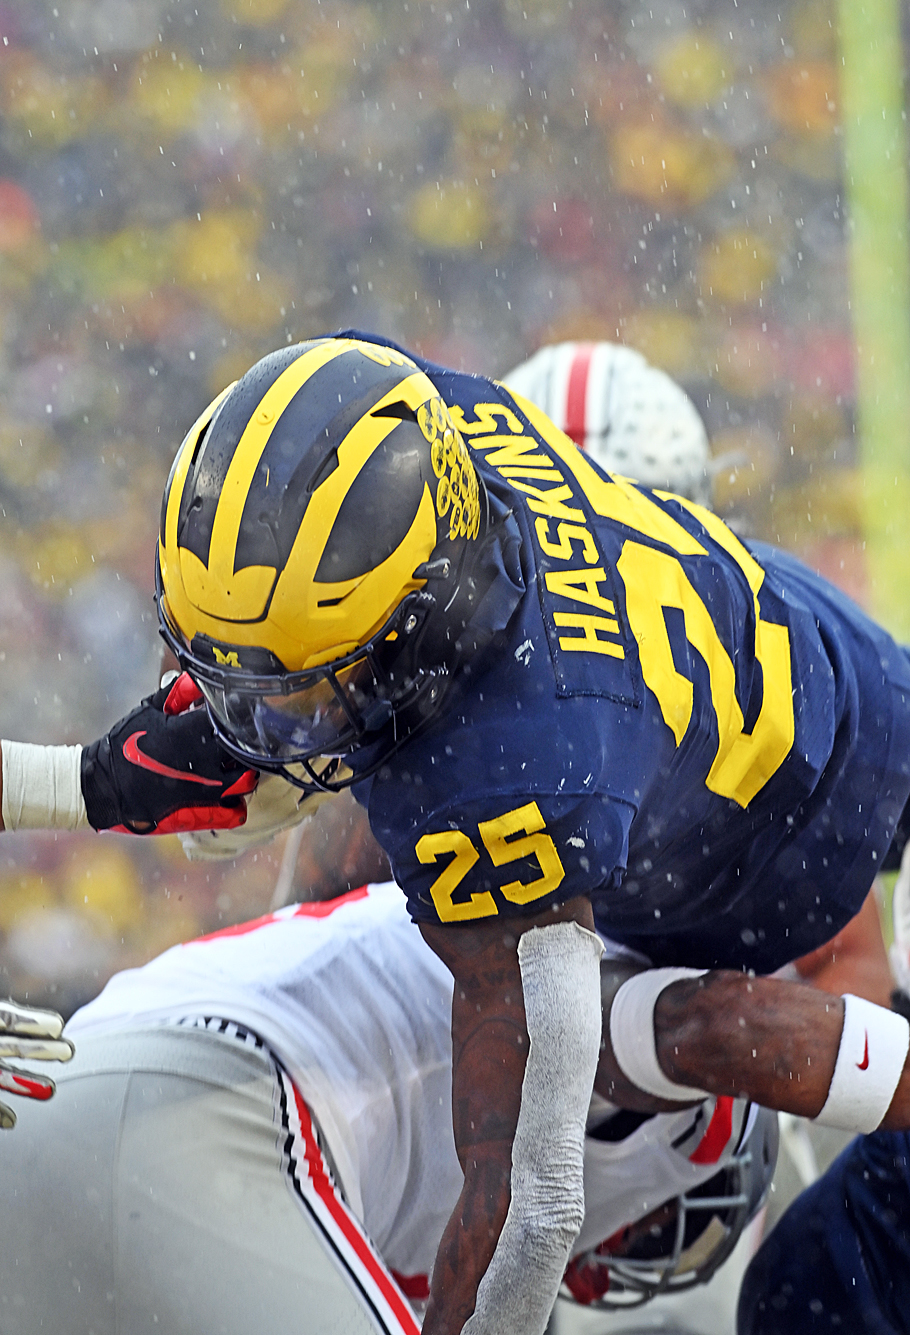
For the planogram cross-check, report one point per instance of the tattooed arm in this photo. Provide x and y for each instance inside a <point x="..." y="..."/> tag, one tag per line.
<point x="725" y="1033"/>
<point x="772" y="1041"/>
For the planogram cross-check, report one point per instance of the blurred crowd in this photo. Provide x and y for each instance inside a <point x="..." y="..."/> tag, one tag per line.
<point x="186" y="184"/>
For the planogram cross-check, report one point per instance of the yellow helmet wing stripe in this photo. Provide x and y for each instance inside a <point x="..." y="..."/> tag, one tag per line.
<point x="242" y="595"/>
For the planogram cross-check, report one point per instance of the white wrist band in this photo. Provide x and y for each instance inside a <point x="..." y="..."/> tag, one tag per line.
<point x="870" y="1060"/>
<point x="632" y="1033"/>
<point x="42" y="787"/>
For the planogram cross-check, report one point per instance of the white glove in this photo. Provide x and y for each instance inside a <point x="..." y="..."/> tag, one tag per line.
<point x="33" y="1035"/>
<point x="273" y="806"/>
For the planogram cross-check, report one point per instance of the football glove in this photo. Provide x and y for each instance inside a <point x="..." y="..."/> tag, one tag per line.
<point x="33" y="1035"/>
<point x="276" y="805"/>
<point x="162" y="770"/>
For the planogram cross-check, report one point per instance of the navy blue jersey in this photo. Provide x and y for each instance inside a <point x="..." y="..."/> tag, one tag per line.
<point x="839" y="1259"/>
<point x="705" y="738"/>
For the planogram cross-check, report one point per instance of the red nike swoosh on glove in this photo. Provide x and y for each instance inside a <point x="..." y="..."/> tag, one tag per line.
<point x="863" y="1065"/>
<point x="136" y="757"/>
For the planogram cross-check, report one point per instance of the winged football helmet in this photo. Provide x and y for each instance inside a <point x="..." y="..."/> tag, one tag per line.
<point x="319" y="556"/>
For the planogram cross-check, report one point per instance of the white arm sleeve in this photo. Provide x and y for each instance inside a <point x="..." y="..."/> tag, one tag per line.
<point x="42" y="787"/>
<point x="560" y="976"/>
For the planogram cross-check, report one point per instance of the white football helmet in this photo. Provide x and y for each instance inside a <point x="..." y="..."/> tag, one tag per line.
<point x="685" y="1241"/>
<point x="630" y="417"/>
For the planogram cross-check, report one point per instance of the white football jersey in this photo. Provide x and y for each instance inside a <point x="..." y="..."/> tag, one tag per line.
<point x="358" y="1009"/>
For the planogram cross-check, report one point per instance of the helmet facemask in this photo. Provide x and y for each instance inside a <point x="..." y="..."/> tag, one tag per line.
<point x="380" y="691"/>
<point x="684" y="1241"/>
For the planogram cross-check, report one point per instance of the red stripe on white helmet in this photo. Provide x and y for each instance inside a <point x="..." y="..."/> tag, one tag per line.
<point x="576" y="414"/>
<point x="632" y="418"/>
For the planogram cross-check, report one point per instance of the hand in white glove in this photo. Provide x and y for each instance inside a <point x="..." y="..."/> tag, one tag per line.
<point x="275" y="805"/>
<point x="33" y="1035"/>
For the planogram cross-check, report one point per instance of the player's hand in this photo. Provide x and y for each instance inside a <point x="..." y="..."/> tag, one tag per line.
<point x="161" y="770"/>
<point x="275" y="806"/>
<point x="33" y="1035"/>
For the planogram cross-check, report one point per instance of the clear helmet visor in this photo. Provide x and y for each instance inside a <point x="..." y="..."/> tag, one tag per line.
<point x="324" y="717"/>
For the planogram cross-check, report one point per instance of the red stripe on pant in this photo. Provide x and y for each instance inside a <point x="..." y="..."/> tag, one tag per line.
<point x="346" y="1224"/>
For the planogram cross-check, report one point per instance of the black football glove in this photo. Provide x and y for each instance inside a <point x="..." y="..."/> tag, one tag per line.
<point x="161" y="770"/>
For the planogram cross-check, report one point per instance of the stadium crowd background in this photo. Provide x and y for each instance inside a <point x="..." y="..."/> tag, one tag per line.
<point x="186" y="185"/>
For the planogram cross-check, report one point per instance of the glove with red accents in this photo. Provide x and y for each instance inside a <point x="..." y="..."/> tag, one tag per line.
<point x="34" y="1035"/>
<point x="162" y="770"/>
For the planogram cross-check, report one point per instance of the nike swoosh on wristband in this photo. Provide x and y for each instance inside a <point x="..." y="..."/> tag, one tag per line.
<point x="133" y="754"/>
<point x="863" y="1065"/>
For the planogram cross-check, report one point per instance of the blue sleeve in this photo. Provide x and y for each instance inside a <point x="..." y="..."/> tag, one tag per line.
<point x="503" y="854"/>
<point x="839" y="1259"/>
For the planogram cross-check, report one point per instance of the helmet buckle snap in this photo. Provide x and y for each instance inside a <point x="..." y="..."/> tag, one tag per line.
<point x="441" y="568"/>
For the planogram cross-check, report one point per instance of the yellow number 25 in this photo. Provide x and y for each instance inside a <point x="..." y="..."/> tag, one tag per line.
<point x="507" y="838"/>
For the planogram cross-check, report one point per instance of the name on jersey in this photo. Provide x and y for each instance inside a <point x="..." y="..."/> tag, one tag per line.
<point x="580" y="612"/>
<point x="659" y="568"/>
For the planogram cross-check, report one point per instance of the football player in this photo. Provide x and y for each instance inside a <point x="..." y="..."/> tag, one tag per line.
<point x="256" y="1103"/>
<point x="632" y="419"/>
<point x="839" y="1258"/>
<point x="566" y="701"/>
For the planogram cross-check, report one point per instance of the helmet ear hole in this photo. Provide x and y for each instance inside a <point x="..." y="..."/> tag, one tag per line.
<point x="400" y="410"/>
